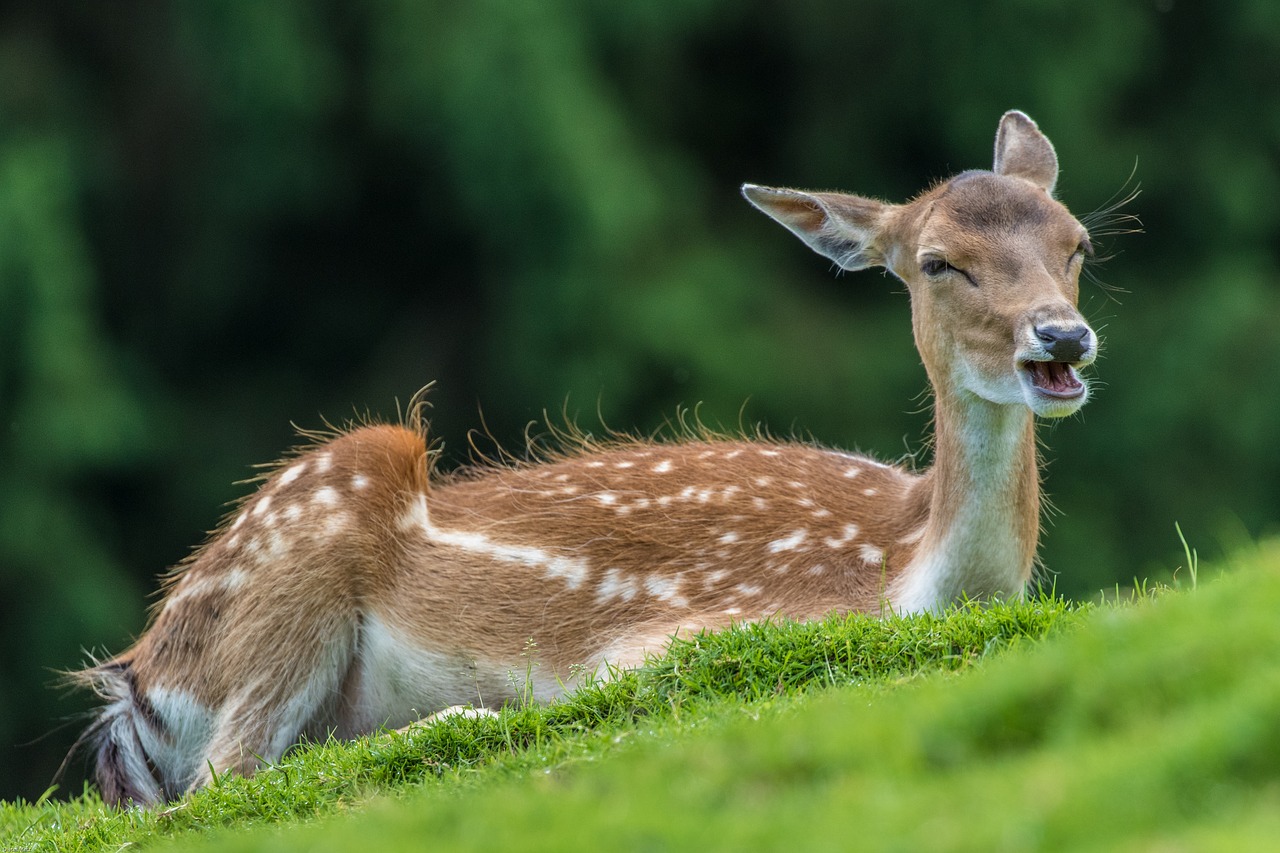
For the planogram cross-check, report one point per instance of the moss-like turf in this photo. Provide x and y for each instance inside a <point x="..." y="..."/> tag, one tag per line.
<point x="1035" y="725"/>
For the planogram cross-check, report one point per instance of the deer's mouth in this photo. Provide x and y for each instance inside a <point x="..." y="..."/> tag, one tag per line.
<point x="1054" y="378"/>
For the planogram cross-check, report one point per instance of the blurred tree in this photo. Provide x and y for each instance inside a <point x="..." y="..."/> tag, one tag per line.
<point x="219" y="218"/>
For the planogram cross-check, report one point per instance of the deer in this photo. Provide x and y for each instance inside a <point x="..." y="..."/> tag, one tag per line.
<point x="360" y="589"/>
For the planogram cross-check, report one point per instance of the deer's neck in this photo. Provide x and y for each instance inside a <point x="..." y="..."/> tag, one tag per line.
<point x="984" y="514"/>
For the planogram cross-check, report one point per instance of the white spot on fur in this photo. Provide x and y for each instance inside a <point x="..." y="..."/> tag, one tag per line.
<point x="788" y="543"/>
<point x="850" y="473"/>
<point x="261" y="506"/>
<point x="662" y="467"/>
<point x="624" y="465"/>
<point x="665" y="500"/>
<point x="871" y="554"/>
<point x="607" y="498"/>
<point x="324" y="462"/>
<point x="914" y="536"/>
<point x="277" y="546"/>
<point x="871" y="493"/>
<point x="769" y="453"/>
<point x="822" y="513"/>
<point x="847" y="535"/>
<point x="193" y="585"/>
<point x="326" y="496"/>
<point x="335" y="523"/>
<point x="595" y="463"/>
<point x="359" y="481"/>
<point x="292" y="474"/>
<point x="747" y="589"/>
<point x="732" y="611"/>
<point x="728" y="538"/>
<point x="759" y="503"/>
<point x="239" y="521"/>
<point x="819" y="569"/>
<point x="571" y="570"/>
<point x="665" y="589"/>
<point x="417" y="515"/>
<point x="292" y="512"/>
<point x="762" y="482"/>
<point x="733" y="454"/>
<point x="616" y="585"/>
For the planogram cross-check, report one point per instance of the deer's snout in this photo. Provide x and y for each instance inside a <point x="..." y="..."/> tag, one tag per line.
<point x="1069" y="343"/>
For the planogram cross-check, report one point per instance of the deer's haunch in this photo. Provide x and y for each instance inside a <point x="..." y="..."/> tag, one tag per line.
<point x="357" y="590"/>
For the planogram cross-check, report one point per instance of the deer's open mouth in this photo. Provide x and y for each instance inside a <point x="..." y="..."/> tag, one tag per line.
<point x="1055" y="378"/>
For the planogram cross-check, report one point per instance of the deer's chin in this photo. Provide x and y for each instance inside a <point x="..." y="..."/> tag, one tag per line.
<point x="1052" y="389"/>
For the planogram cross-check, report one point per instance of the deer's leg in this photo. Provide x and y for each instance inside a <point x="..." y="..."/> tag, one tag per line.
<point x="293" y="689"/>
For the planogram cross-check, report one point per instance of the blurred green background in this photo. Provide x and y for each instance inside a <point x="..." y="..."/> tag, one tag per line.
<point x="220" y="217"/>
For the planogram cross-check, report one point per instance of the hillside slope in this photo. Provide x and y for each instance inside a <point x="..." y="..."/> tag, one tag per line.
<point x="1130" y="727"/>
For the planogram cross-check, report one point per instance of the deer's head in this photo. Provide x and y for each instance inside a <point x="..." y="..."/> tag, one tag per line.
<point x="992" y="262"/>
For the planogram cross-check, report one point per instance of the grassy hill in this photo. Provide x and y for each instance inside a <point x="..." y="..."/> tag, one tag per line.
<point x="1038" y="725"/>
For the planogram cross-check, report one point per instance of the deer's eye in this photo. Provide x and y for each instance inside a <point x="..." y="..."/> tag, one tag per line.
<point x="1084" y="250"/>
<point x="934" y="267"/>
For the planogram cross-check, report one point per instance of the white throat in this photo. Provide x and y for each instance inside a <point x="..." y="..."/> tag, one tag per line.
<point x="983" y="520"/>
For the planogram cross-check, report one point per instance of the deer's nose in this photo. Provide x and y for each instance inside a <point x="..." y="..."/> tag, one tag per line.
<point x="1064" y="343"/>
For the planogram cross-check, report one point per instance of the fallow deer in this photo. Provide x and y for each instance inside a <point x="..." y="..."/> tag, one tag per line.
<point x="358" y="589"/>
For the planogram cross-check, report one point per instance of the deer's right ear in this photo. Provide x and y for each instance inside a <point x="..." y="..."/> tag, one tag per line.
<point x="844" y="228"/>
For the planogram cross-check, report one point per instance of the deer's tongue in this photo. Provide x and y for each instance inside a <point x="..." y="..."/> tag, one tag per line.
<point x="1055" y="378"/>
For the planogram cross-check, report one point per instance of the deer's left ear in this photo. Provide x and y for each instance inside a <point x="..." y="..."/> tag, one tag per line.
<point x="1022" y="151"/>
<point x="844" y="228"/>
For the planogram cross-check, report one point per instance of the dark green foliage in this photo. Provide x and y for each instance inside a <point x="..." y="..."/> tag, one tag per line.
<point x="218" y="218"/>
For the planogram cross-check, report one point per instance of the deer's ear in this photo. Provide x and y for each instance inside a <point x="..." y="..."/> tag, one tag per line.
<point x="844" y="228"/>
<point x="1022" y="151"/>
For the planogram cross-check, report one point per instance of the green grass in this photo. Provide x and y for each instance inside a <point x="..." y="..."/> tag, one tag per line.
<point x="1015" y="727"/>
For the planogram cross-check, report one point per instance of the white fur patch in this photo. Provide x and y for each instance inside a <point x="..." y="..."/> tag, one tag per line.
<point x="569" y="569"/>
<point x="847" y="535"/>
<point x="665" y="589"/>
<point x="788" y="543"/>
<point x="293" y="473"/>
<point x="871" y="554"/>
<point x="193" y="585"/>
<point x="615" y="584"/>
<point x="326" y="496"/>
<point x="399" y="682"/>
<point x="180" y="757"/>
